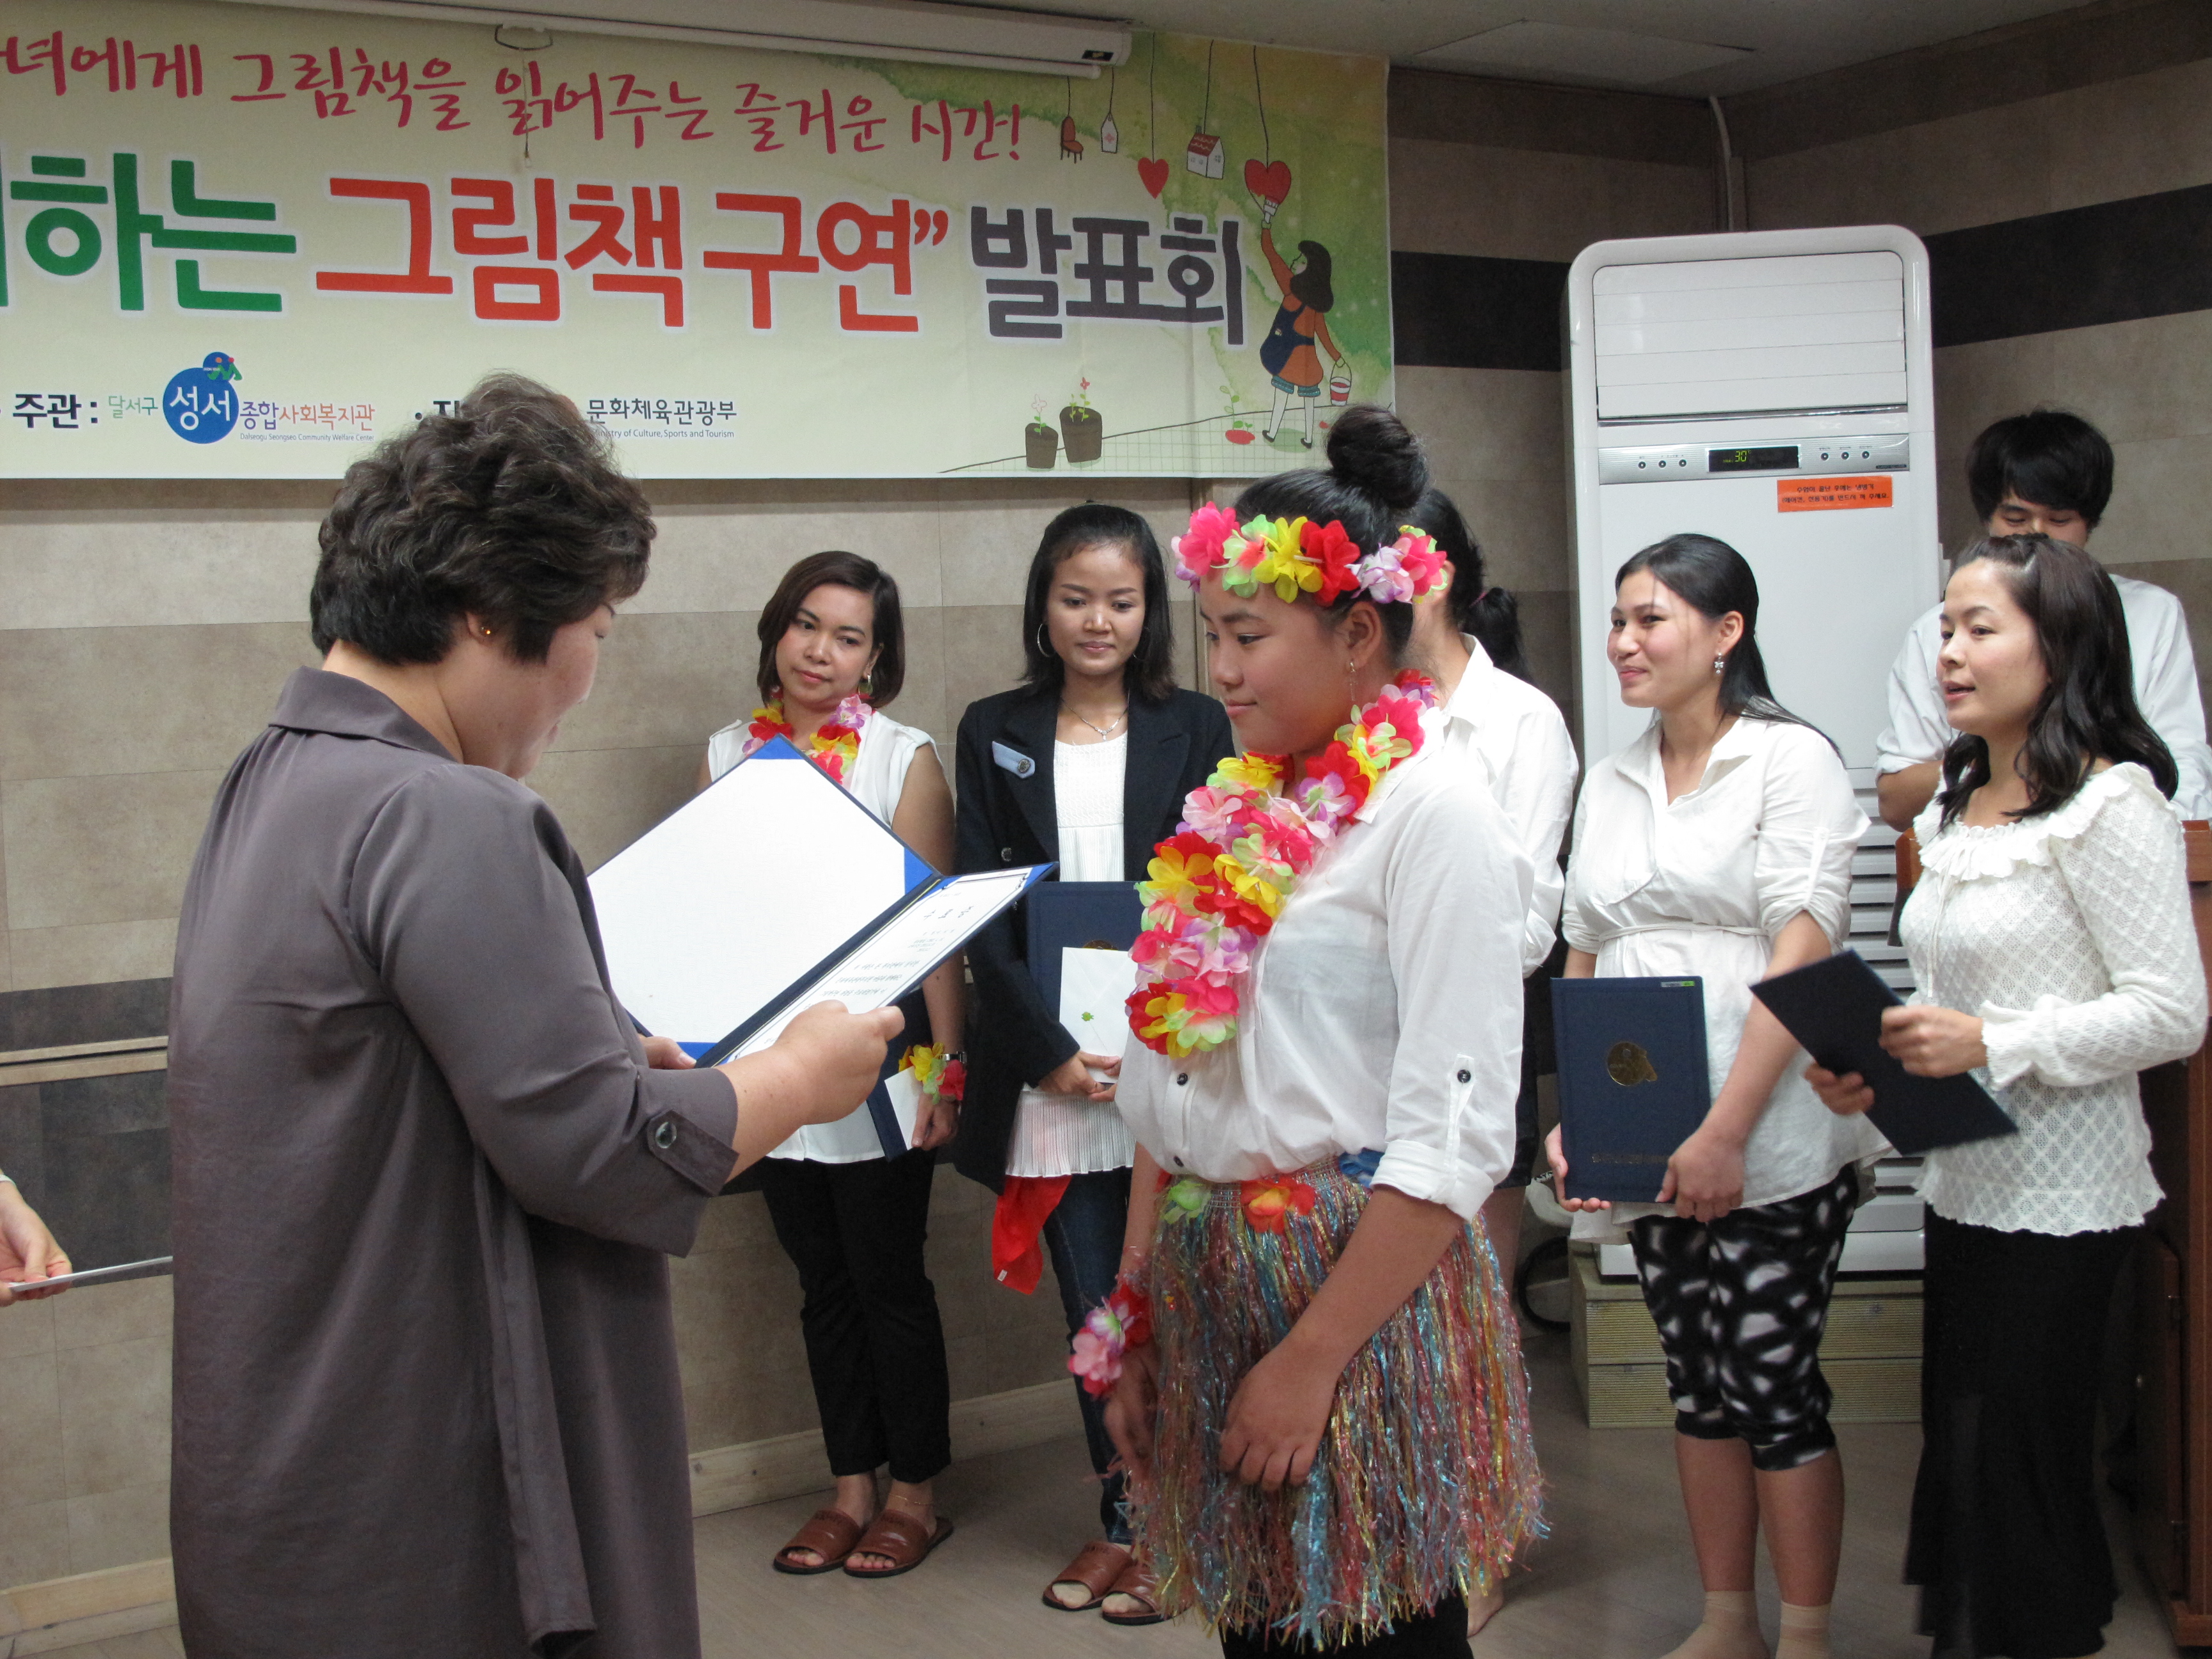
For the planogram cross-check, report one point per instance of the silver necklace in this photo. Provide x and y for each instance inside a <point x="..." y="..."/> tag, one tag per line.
<point x="1108" y="730"/>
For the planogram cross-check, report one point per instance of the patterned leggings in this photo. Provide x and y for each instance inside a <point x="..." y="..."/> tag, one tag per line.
<point x="1741" y="1304"/>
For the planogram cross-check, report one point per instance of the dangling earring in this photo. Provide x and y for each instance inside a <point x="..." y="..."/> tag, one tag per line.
<point x="1720" y="665"/>
<point x="868" y="683"/>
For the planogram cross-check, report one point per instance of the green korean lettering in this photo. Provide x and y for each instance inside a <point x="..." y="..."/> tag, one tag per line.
<point x="133" y="224"/>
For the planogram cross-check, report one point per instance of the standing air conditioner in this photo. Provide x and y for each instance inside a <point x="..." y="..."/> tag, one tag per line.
<point x="1773" y="388"/>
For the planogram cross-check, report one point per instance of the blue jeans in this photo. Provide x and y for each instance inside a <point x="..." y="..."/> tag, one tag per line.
<point x="1084" y="1234"/>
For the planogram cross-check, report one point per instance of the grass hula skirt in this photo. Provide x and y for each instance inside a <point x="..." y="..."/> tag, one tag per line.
<point x="1425" y="1482"/>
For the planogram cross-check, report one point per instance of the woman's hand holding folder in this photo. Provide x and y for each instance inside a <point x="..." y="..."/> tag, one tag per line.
<point x="1926" y="1040"/>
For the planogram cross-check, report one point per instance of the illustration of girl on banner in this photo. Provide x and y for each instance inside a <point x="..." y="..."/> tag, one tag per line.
<point x="1287" y="354"/>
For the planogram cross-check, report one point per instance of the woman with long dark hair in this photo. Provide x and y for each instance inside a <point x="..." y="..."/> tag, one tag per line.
<point x="1317" y="1375"/>
<point x="1084" y="764"/>
<point x="852" y="1219"/>
<point x="1719" y="844"/>
<point x="2050" y="939"/>
<point x="1287" y="354"/>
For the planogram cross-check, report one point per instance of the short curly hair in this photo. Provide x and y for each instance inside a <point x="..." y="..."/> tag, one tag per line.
<point x="509" y="509"/>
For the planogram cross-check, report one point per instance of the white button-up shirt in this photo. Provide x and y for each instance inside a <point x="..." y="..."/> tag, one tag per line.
<point x="1516" y="740"/>
<point x="1383" y="1012"/>
<point x="2166" y="691"/>
<point x="1702" y="885"/>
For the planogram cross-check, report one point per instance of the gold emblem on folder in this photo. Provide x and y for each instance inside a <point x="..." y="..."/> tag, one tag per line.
<point x="1626" y="1064"/>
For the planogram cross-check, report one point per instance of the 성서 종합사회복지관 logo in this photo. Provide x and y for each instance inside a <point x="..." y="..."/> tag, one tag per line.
<point x="201" y="404"/>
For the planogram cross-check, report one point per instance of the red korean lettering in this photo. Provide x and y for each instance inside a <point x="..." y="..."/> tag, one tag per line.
<point x="267" y="89"/>
<point x="885" y="238"/>
<point x="566" y="99"/>
<point x="417" y="278"/>
<point x="42" y="52"/>
<point x="693" y="118"/>
<point x="542" y="283"/>
<point x="825" y="118"/>
<point x="942" y="132"/>
<point x="468" y="222"/>
<point x="762" y="267"/>
<point x="862" y="108"/>
<point x="657" y="232"/>
<point x="84" y="59"/>
<point x="594" y="205"/>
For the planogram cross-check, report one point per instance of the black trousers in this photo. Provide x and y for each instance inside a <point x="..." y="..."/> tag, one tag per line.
<point x="2007" y="1544"/>
<point x="1439" y="1633"/>
<point x="874" y="1345"/>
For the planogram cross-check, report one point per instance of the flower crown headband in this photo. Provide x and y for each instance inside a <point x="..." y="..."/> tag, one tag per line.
<point x="1297" y="555"/>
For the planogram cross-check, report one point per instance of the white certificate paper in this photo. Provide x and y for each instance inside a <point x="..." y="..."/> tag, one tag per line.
<point x="914" y="941"/>
<point x="1094" y="996"/>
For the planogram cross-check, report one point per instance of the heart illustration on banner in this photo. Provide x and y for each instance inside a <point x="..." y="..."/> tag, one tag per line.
<point x="1269" y="183"/>
<point x="1154" y="173"/>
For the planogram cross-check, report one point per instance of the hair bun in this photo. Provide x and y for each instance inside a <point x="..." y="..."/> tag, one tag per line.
<point x="1372" y="450"/>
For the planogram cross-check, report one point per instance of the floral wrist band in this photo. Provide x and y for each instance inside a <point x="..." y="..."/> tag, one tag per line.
<point x="1297" y="555"/>
<point x="941" y="1076"/>
<point x="1123" y="1321"/>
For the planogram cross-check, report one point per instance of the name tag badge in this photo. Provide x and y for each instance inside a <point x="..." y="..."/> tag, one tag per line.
<point x="1014" y="760"/>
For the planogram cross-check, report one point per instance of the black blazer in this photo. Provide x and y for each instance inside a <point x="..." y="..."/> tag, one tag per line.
<point x="1013" y="1039"/>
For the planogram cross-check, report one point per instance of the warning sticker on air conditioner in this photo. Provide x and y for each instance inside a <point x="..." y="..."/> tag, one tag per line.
<point x="1830" y="495"/>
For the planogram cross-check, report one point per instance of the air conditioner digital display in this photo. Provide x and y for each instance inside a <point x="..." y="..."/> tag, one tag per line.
<point x="1750" y="460"/>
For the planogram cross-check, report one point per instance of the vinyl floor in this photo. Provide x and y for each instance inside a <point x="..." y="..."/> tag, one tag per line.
<point x="1614" y="1580"/>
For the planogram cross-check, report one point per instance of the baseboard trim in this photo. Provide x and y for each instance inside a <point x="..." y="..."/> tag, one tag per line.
<point x="64" y="1613"/>
<point x="764" y="1471"/>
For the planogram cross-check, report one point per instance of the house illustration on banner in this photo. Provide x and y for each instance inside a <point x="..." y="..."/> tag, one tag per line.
<point x="1205" y="154"/>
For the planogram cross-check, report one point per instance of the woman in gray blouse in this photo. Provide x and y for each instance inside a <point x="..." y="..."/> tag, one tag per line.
<point x="427" y="1172"/>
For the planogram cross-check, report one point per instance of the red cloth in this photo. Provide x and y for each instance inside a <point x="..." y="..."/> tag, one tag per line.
<point x="1025" y="1204"/>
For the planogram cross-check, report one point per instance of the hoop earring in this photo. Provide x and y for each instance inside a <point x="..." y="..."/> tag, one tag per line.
<point x="1043" y="650"/>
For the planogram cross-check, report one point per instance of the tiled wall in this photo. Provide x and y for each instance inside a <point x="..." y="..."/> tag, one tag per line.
<point x="1490" y="171"/>
<point x="2144" y="382"/>
<point x="84" y="1439"/>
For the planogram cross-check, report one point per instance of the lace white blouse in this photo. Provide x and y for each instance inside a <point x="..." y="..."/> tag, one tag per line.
<point x="1702" y="885"/>
<point x="2071" y="936"/>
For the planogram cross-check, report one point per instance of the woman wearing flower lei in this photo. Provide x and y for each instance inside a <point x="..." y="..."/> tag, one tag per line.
<point x="832" y="654"/>
<point x="1315" y="1375"/>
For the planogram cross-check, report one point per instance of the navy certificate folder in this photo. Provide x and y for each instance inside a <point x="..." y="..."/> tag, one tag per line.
<point x="1833" y="1007"/>
<point x="1078" y="915"/>
<point x="1633" y="1081"/>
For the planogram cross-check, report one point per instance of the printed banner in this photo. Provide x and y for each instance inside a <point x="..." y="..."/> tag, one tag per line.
<point x="244" y="242"/>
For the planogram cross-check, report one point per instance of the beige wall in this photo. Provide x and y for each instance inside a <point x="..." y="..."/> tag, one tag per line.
<point x="2145" y="383"/>
<point x="1491" y="170"/>
<point x="145" y="630"/>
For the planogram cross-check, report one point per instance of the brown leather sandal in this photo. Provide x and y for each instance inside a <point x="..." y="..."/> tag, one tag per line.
<point x="1096" y="1568"/>
<point x="830" y="1533"/>
<point x="1136" y="1583"/>
<point x="900" y="1539"/>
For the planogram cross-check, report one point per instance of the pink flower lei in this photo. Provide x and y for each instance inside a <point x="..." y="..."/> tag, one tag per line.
<point x="832" y="747"/>
<point x="1218" y="885"/>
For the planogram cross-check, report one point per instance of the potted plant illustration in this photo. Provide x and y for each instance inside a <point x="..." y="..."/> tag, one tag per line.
<point x="1081" y="428"/>
<point x="1239" y="430"/>
<point x="1039" y="441"/>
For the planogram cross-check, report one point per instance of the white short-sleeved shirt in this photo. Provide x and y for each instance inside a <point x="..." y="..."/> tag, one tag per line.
<point x="1703" y="885"/>
<point x="1516" y="740"/>
<point x="1383" y="1012"/>
<point x="876" y="780"/>
<point x="2166" y="691"/>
